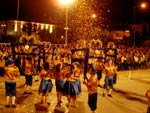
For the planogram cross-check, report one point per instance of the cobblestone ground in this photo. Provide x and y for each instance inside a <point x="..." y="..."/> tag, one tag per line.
<point x="128" y="97"/>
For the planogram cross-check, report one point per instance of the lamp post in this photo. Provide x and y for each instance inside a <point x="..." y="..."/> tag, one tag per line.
<point x="143" y="5"/>
<point x="66" y="3"/>
<point x="66" y="26"/>
<point x="18" y="3"/>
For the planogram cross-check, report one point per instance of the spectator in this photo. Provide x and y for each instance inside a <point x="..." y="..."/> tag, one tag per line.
<point x="2" y="64"/>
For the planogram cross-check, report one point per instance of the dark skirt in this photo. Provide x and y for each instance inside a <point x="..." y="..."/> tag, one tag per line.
<point x="115" y="78"/>
<point x="77" y="87"/>
<point x="108" y="82"/>
<point x="99" y="74"/>
<point x="28" y="79"/>
<point x="72" y="88"/>
<point x="68" y="88"/>
<point x="10" y="88"/>
<point x="59" y="85"/>
<point x="92" y="101"/>
<point x="1" y="71"/>
<point x="45" y="86"/>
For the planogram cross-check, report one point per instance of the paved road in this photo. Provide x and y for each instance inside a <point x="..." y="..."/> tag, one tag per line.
<point x="128" y="97"/>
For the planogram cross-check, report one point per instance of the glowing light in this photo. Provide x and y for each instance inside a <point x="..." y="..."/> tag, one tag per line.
<point x="27" y="47"/>
<point x="42" y="26"/>
<point x="38" y="26"/>
<point x="3" y="25"/>
<point x="16" y="25"/>
<point x="93" y="15"/>
<point x="127" y="31"/>
<point x="21" y="25"/>
<point x="51" y="29"/>
<point x="143" y="5"/>
<point x="46" y="27"/>
<point x="97" y="52"/>
<point x="108" y="10"/>
<point x="65" y="2"/>
<point x="79" y="53"/>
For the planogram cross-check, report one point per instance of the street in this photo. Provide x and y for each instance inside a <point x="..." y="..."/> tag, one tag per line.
<point x="128" y="96"/>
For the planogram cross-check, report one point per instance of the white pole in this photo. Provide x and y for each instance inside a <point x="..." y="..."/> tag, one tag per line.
<point x="129" y="74"/>
<point x="18" y="3"/>
<point x="66" y="26"/>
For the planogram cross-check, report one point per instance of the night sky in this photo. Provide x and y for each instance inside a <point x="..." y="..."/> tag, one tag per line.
<point x="43" y="10"/>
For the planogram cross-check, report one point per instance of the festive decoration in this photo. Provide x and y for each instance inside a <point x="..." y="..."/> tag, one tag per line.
<point x="81" y="44"/>
<point x="27" y="47"/>
<point x="96" y="43"/>
<point x="97" y="52"/>
<point x="28" y="39"/>
<point x="110" y="45"/>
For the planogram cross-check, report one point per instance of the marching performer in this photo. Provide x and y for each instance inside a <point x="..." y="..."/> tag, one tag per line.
<point x="29" y="69"/>
<point x="46" y="83"/>
<point x="92" y="85"/>
<point x="11" y="74"/>
<point x="72" y="86"/>
<point x="110" y="71"/>
<point x="59" y="81"/>
<point x="99" y="66"/>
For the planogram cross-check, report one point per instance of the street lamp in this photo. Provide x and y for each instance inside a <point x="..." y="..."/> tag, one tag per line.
<point x="143" y="5"/>
<point x="93" y="15"/>
<point x="66" y="3"/>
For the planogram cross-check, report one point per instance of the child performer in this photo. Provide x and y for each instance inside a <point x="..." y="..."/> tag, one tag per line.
<point x="11" y="74"/>
<point x="46" y="83"/>
<point x="72" y="86"/>
<point x="99" y="68"/>
<point x="76" y="83"/>
<point x="29" y="68"/>
<point x="110" y="70"/>
<point x="92" y="86"/>
<point x="59" y="81"/>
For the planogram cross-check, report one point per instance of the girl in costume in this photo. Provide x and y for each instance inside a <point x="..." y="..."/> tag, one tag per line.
<point x="110" y="71"/>
<point x="29" y="68"/>
<point x="72" y="86"/>
<point x="99" y="66"/>
<point x="59" y="81"/>
<point x="46" y="83"/>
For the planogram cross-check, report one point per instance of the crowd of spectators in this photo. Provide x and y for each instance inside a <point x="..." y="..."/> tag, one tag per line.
<point x="128" y="58"/>
<point x="133" y="58"/>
